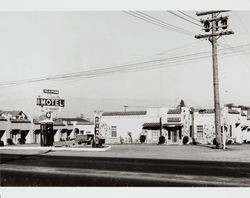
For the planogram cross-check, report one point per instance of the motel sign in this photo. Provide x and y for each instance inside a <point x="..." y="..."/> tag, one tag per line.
<point x="50" y="102"/>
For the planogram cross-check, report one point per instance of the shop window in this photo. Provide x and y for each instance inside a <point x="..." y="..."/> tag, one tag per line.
<point x="199" y="131"/>
<point x="113" y="131"/>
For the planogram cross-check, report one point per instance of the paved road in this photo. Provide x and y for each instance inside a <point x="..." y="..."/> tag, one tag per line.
<point x="47" y="170"/>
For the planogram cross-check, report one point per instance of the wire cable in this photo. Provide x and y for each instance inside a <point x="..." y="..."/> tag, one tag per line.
<point x="163" y="22"/>
<point x="188" y="16"/>
<point x="184" y="18"/>
<point x="167" y="63"/>
<point x="136" y="15"/>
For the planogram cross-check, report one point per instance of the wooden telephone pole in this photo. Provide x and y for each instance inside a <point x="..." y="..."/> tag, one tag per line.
<point x="212" y="25"/>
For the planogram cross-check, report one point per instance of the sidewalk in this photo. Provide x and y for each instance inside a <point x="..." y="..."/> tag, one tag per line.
<point x="234" y="153"/>
<point x="56" y="147"/>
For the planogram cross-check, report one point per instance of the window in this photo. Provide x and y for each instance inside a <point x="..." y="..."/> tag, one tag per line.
<point x="113" y="131"/>
<point x="156" y="135"/>
<point x="199" y="131"/>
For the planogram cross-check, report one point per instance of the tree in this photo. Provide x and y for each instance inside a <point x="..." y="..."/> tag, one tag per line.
<point x="182" y="104"/>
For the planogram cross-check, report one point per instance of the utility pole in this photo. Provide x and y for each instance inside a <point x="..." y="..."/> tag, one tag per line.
<point x="125" y="108"/>
<point x="212" y="25"/>
<point x="160" y="126"/>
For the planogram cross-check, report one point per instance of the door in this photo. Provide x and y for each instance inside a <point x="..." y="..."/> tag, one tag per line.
<point x="174" y="136"/>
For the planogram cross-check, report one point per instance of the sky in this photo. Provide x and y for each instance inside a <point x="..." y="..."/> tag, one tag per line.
<point x="38" y="44"/>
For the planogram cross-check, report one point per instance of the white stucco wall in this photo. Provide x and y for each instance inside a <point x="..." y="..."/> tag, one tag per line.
<point x="126" y="124"/>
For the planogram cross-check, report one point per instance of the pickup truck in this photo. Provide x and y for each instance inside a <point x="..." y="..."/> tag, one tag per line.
<point x="88" y="139"/>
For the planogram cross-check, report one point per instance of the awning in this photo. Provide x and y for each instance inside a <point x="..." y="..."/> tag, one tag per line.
<point x="37" y="131"/>
<point x="151" y="125"/>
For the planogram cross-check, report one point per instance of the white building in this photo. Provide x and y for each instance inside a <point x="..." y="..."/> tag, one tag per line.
<point x="126" y="126"/>
<point x="17" y="127"/>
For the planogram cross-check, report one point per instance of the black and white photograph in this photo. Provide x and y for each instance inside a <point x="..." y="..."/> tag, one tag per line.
<point x="125" y="98"/>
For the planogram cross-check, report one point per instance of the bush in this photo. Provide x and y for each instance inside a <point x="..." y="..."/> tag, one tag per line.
<point x="9" y="141"/>
<point x="142" y="138"/>
<point x="68" y="138"/>
<point x="229" y="142"/>
<point x="21" y="140"/>
<point x="1" y="143"/>
<point x="162" y="140"/>
<point x="185" y="140"/>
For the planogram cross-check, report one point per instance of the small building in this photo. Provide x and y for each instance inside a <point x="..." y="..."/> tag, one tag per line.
<point x="3" y="129"/>
<point x="126" y="126"/>
<point x="178" y="125"/>
<point x="17" y="127"/>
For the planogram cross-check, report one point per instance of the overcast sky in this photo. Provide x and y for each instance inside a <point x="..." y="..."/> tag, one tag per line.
<point x="41" y="44"/>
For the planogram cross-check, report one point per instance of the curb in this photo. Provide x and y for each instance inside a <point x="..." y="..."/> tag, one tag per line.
<point x="52" y="148"/>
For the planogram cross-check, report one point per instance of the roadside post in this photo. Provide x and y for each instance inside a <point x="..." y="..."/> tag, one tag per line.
<point x="50" y="103"/>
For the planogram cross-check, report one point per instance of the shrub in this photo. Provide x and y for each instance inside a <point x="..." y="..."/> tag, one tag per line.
<point x="162" y="140"/>
<point x="9" y="141"/>
<point x="121" y="140"/>
<point x="68" y="138"/>
<point x="21" y="140"/>
<point x="1" y="143"/>
<point x="229" y="142"/>
<point x="142" y="138"/>
<point x="185" y="140"/>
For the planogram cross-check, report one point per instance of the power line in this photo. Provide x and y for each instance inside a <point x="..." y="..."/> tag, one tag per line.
<point x="105" y="70"/>
<point x="163" y="22"/>
<point x="136" y="15"/>
<point x="95" y="73"/>
<point x="184" y="18"/>
<point x="167" y="52"/>
<point x="188" y="16"/>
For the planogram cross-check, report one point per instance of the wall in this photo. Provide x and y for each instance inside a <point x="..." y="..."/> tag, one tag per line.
<point x="126" y="124"/>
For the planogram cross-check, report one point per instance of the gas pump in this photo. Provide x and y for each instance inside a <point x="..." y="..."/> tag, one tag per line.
<point x="46" y="127"/>
<point x="47" y="136"/>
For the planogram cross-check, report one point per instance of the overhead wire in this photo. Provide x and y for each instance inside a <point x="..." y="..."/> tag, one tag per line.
<point x="164" y="22"/>
<point x="169" y="52"/>
<point x="188" y="16"/>
<point x="184" y="18"/>
<point x="132" y="67"/>
<point x="157" y="23"/>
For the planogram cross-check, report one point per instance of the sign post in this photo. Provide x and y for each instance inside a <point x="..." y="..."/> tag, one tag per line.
<point x="50" y="103"/>
<point x="97" y="116"/>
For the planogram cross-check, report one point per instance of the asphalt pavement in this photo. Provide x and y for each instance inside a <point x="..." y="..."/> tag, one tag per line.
<point x="119" y="166"/>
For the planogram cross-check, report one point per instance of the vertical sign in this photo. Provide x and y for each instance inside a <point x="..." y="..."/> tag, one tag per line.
<point x="97" y="117"/>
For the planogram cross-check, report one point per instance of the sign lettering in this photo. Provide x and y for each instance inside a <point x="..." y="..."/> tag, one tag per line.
<point x="50" y="91"/>
<point x="50" y="102"/>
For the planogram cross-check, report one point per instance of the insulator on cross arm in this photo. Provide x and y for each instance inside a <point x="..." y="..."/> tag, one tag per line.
<point x="206" y="26"/>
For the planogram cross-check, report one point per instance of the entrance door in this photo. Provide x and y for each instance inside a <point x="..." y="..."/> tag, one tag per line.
<point x="174" y="136"/>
